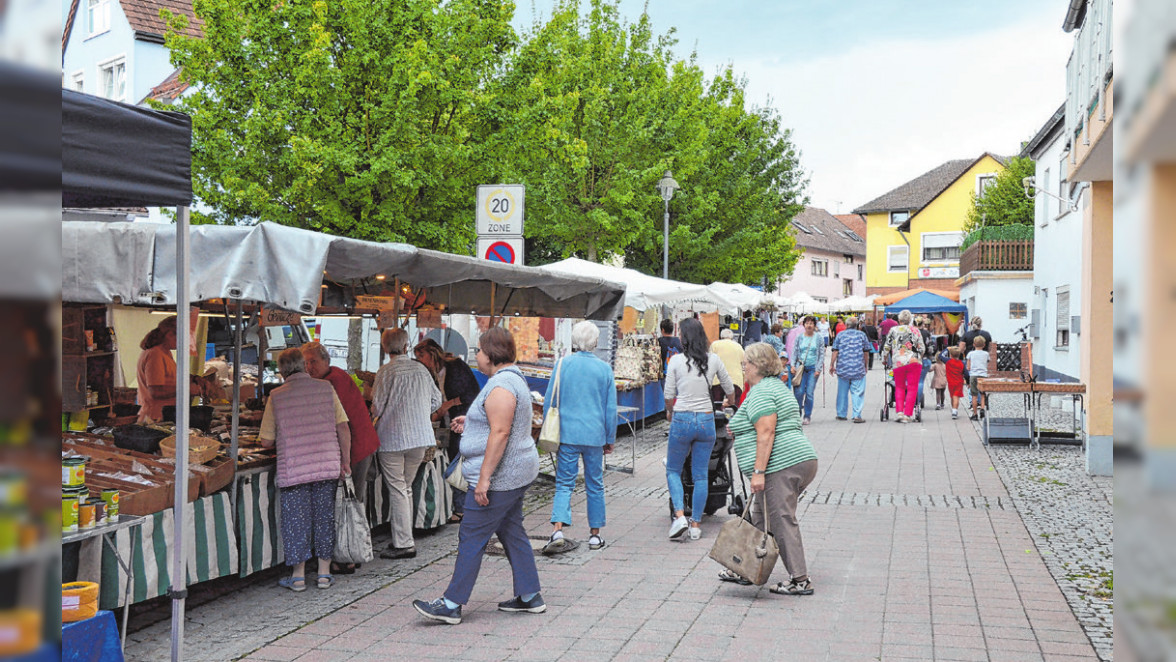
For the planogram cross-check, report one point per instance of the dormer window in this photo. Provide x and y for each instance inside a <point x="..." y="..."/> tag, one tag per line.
<point x="897" y="218"/>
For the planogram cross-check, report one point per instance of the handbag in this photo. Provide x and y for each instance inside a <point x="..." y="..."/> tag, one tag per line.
<point x="797" y="374"/>
<point x="454" y="477"/>
<point x="746" y="550"/>
<point x="353" y="536"/>
<point x="628" y="361"/>
<point x="549" y="433"/>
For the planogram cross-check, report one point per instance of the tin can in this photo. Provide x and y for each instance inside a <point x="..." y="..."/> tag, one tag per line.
<point x="9" y="531"/>
<point x="85" y="516"/>
<point x="110" y="497"/>
<point x="99" y="510"/>
<point x="69" y="514"/>
<point x="73" y="471"/>
<point x="14" y="489"/>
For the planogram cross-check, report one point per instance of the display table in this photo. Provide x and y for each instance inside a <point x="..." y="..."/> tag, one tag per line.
<point x="104" y="534"/>
<point x="1026" y="429"/>
<point x="92" y="640"/>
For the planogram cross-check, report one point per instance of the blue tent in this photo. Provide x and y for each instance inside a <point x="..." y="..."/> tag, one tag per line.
<point x="926" y="302"/>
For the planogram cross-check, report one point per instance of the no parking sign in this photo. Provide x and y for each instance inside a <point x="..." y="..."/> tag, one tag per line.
<point x="508" y="250"/>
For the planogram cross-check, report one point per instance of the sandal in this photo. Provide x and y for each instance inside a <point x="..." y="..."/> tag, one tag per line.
<point x="803" y="587"/>
<point x="556" y="546"/>
<point x="326" y="581"/>
<point x="595" y="542"/>
<point x="728" y="576"/>
<point x="296" y="584"/>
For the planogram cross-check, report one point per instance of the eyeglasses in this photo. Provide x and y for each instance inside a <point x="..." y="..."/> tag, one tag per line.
<point x="477" y="350"/>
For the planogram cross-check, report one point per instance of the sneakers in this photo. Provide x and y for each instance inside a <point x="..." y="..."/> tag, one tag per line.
<point x="806" y="421"/>
<point x="973" y="417"/>
<point x="437" y="611"/>
<point x="802" y="587"/>
<point x="901" y="418"/>
<point x="858" y="419"/>
<point x="398" y="553"/>
<point x="516" y="604"/>
<point x="938" y="407"/>
<point x="695" y="532"/>
<point x="842" y="418"/>
<point x="678" y="528"/>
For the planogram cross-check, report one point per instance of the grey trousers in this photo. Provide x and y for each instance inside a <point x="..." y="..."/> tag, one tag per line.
<point x="399" y="468"/>
<point x="781" y="490"/>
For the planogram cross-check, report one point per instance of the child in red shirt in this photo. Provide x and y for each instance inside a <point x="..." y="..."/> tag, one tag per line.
<point x="955" y="379"/>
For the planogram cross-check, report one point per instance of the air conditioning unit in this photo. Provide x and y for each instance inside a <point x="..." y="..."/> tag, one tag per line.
<point x="1076" y="324"/>
<point x="1035" y="323"/>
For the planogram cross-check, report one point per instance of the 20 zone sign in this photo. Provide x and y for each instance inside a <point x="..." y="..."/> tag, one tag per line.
<point x="500" y="210"/>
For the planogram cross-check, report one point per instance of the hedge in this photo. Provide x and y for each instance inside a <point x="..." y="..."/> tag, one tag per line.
<point x="1015" y="232"/>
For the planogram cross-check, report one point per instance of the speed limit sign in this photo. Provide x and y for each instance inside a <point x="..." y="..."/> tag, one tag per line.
<point x="500" y="210"/>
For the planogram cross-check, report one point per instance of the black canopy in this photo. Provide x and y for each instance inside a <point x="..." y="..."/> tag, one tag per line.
<point x="118" y="155"/>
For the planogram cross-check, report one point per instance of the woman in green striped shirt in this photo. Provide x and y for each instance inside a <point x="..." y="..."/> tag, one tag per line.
<point x="771" y="448"/>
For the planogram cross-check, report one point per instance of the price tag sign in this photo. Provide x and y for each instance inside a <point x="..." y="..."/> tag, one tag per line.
<point x="500" y="210"/>
<point x="279" y="317"/>
<point x="428" y="318"/>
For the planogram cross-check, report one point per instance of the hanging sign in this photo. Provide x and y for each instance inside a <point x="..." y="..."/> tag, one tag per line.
<point x="428" y="318"/>
<point x="370" y="302"/>
<point x="508" y="250"/>
<point x="279" y="317"/>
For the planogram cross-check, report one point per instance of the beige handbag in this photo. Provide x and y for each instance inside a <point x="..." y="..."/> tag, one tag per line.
<point x="745" y="550"/>
<point x="549" y="433"/>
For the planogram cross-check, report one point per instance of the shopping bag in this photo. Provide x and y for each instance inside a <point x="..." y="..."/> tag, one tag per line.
<point x="745" y="550"/>
<point x="453" y="475"/>
<point x="353" y="536"/>
<point x="549" y="433"/>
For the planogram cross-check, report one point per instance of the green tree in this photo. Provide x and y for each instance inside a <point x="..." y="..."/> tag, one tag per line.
<point x="362" y="118"/>
<point x="1004" y="201"/>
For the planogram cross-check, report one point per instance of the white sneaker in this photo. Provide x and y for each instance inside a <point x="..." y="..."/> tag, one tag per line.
<point x="695" y="532"/>
<point x="678" y="528"/>
<point x="955" y="413"/>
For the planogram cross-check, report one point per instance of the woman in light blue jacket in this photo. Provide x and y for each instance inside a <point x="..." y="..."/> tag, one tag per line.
<point x="587" y="402"/>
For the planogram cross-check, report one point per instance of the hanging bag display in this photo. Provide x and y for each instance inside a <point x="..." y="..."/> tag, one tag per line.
<point x="746" y="550"/>
<point x="549" y="433"/>
<point x="353" y="536"/>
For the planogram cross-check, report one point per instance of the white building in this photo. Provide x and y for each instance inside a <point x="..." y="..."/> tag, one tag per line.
<point x="1056" y="306"/>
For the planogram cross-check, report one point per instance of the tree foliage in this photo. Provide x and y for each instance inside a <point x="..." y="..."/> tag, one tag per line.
<point x="1004" y="201"/>
<point x="378" y="119"/>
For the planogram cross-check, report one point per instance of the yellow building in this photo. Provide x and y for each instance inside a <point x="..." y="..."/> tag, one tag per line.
<point x="913" y="233"/>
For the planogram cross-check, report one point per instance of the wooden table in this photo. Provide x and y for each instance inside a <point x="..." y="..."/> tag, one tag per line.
<point x="1027" y="429"/>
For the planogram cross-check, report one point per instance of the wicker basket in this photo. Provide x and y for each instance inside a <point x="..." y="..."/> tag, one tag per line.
<point x="200" y="449"/>
<point x="430" y="454"/>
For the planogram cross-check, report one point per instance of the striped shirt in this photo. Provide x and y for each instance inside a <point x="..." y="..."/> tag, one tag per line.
<point x="404" y="397"/>
<point x="791" y="447"/>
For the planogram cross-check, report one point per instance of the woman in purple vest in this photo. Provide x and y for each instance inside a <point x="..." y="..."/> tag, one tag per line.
<point x="306" y="421"/>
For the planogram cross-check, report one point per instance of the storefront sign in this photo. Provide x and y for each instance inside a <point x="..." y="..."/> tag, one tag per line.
<point x="939" y="272"/>
<point x="279" y="317"/>
<point x="369" y="302"/>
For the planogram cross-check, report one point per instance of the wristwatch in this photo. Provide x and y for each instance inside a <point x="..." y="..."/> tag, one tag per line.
<point x="757" y="472"/>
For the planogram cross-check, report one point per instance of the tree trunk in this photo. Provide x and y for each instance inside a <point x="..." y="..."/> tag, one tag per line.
<point x="355" y="345"/>
<point x="592" y="252"/>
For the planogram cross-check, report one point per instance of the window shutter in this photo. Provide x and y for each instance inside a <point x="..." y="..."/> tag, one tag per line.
<point x="1063" y="295"/>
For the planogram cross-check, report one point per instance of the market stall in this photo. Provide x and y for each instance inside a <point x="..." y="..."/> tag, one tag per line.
<point x="947" y="315"/>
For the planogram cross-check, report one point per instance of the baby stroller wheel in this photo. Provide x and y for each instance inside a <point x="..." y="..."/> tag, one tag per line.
<point x="736" y="507"/>
<point x="885" y="414"/>
<point x="919" y="414"/>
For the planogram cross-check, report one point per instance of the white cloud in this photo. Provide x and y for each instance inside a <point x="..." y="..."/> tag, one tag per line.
<point x="877" y="116"/>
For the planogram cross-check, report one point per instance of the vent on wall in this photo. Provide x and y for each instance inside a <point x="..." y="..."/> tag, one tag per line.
<point x="1035" y="323"/>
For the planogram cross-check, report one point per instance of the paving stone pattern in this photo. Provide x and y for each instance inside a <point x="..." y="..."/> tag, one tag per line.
<point x="1070" y="516"/>
<point x="910" y="538"/>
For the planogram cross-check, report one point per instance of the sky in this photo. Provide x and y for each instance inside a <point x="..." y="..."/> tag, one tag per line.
<point x="877" y="92"/>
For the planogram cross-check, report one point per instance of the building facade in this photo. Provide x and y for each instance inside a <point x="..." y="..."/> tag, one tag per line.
<point x="1056" y="306"/>
<point x="833" y="265"/>
<point x="914" y="232"/>
<point x="114" y="48"/>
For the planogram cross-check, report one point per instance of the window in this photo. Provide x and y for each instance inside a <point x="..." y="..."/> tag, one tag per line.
<point x="846" y="287"/>
<point x="1045" y="199"/>
<point x="98" y="16"/>
<point x="77" y="82"/>
<point x="802" y="228"/>
<point x="114" y="79"/>
<point x="983" y="181"/>
<point x="848" y="259"/>
<point x="817" y="230"/>
<point x="897" y="218"/>
<point x="1063" y="317"/>
<point x="1018" y="311"/>
<point x="1063" y="188"/>
<point x="897" y="258"/>
<point x="821" y="299"/>
<point x="942" y="246"/>
<point x="860" y="270"/>
<point x="820" y="267"/>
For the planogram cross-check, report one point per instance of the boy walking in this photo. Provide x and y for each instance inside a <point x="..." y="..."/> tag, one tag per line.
<point x="977" y="369"/>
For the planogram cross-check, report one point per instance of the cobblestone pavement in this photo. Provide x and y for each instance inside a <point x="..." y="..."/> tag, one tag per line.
<point x="1146" y="592"/>
<point x="915" y="547"/>
<point x="1070" y="516"/>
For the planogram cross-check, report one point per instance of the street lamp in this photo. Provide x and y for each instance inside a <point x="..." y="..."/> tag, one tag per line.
<point x="666" y="186"/>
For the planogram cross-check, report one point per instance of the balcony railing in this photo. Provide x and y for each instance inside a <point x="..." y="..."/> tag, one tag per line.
<point x="997" y="256"/>
<point x="1088" y="71"/>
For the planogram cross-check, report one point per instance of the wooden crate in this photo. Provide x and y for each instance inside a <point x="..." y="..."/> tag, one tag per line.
<point x="219" y="473"/>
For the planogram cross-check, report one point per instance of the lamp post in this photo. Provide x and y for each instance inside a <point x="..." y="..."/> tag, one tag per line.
<point x="666" y="186"/>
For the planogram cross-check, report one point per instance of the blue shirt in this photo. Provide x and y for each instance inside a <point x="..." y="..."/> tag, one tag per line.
<point x="777" y="344"/>
<point x="587" y="400"/>
<point x="520" y="461"/>
<point x="850" y="346"/>
<point x="810" y="350"/>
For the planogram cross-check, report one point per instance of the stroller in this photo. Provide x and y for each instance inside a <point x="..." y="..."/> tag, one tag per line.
<point x="720" y="476"/>
<point x="888" y="402"/>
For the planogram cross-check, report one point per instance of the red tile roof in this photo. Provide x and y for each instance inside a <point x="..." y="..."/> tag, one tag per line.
<point x="855" y="222"/>
<point x="170" y="89"/>
<point x="68" y="28"/>
<point x="143" y="15"/>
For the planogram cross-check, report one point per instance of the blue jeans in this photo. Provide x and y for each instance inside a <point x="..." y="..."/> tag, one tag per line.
<point x="567" y="466"/>
<point x="806" y="391"/>
<point x="503" y="516"/>
<point x="922" y="378"/>
<point x="847" y="388"/>
<point x="691" y="433"/>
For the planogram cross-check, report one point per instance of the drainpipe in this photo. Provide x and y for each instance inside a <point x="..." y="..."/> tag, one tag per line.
<point x="902" y="235"/>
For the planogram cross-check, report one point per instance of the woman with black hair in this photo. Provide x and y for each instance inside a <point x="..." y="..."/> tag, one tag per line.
<point x="692" y="422"/>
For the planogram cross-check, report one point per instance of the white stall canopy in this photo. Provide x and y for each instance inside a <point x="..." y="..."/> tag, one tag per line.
<point x="643" y="291"/>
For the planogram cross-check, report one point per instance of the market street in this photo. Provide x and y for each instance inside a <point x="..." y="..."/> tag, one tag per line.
<point x="915" y="548"/>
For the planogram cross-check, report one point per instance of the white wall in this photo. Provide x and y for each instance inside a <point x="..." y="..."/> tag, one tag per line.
<point x="1057" y="263"/>
<point x="990" y="297"/>
<point x="827" y="287"/>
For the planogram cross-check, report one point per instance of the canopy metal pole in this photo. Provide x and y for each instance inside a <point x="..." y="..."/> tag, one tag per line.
<point x="178" y="591"/>
<point x="234" y="442"/>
